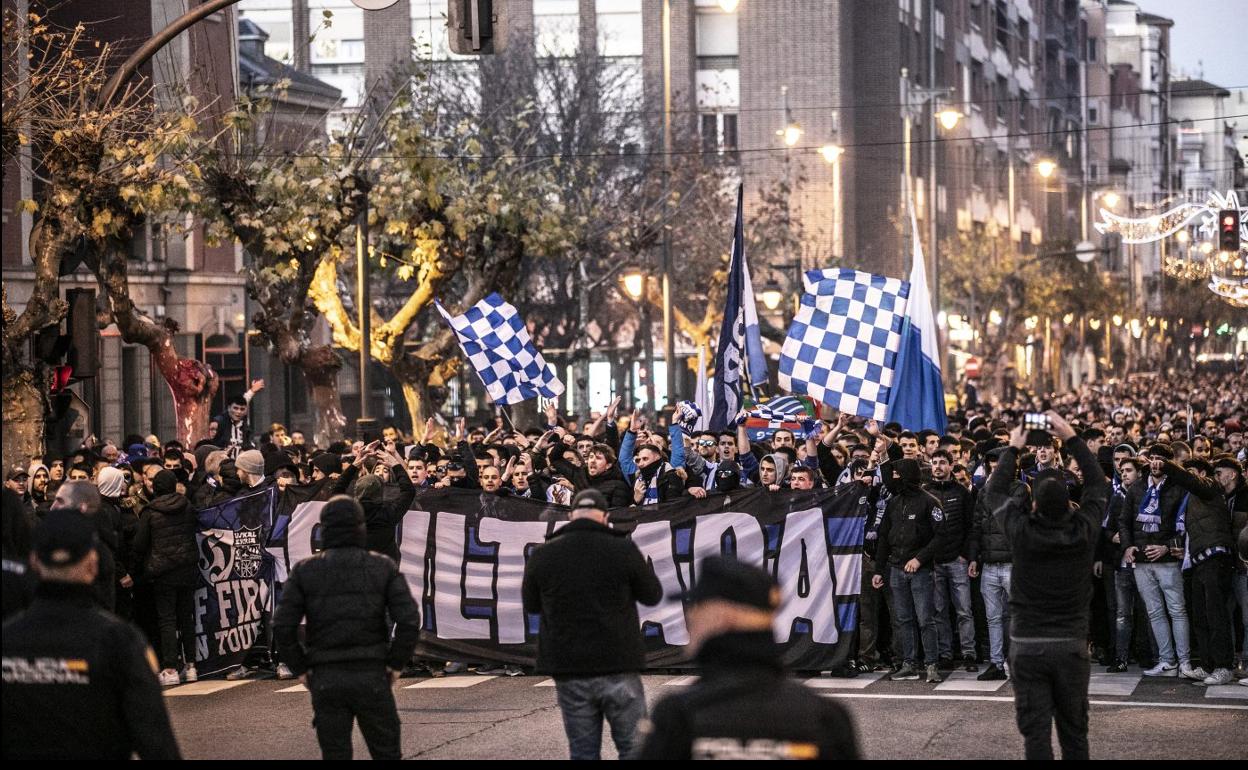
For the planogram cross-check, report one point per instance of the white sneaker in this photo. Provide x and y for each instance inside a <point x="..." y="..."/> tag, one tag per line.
<point x="1163" y="669"/>
<point x="1219" y="676"/>
<point x="169" y="678"/>
<point x="242" y="672"/>
<point x="284" y="672"/>
<point x="1198" y="674"/>
<point x="1244" y="681"/>
<point x="189" y="674"/>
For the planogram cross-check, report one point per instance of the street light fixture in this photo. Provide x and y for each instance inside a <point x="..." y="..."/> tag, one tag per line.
<point x="949" y="118"/>
<point x="634" y="280"/>
<point x="831" y="152"/>
<point x="792" y="134"/>
<point x="1110" y="199"/>
<point x="772" y="295"/>
<point x="1045" y="167"/>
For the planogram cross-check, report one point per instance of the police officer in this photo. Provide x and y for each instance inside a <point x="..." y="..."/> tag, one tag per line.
<point x="744" y="706"/>
<point x="78" y="682"/>
<point x="346" y="593"/>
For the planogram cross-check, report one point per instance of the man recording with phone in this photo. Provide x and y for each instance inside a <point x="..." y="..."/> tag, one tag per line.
<point x="1052" y="543"/>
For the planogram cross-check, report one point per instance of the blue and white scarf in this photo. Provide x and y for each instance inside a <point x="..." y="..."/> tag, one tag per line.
<point x="652" y="487"/>
<point x="1148" y="514"/>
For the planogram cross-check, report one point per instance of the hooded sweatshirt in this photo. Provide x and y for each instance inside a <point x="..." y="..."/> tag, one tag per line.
<point x="1053" y="548"/>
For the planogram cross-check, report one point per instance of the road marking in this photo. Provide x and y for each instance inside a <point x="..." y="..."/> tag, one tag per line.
<point x="966" y="681"/>
<point x="450" y="682"/>
<point x="860" y="682"/>
<point x="681" y="681"/>
<point x="296" y="688"/>
<point x="1237" y="691"/>
<point x="204" y="688"/>
<point x="1010" y="699"/>
<point x="1100" y="683"/>
<point x="545" y="683"/>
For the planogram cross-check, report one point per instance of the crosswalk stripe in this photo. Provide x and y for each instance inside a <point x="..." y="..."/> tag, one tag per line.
<point x="545" y="683"/>
<point x="860" y="682"/>
<point x="296" y="688"/>
<point x="204" y="688"/>
<point x="1236" y="691"/>
<point x="966" y="681"/>
<point x="450" y="683"/>
<point x="1113" y="684"/>
<point x="1010" y="699"/>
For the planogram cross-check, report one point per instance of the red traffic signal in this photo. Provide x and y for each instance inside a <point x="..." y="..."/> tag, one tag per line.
<point x="1228" y="230"/>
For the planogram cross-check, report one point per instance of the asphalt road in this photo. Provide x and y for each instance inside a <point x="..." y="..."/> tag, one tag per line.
<point x="477" y="717"/>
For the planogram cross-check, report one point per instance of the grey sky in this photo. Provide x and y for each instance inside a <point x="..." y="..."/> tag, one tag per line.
<point x="1208" y="36"/>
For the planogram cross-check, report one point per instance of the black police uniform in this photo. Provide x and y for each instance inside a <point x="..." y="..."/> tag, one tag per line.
<point x="746" y="707"/>
<point x="79" y="683"/>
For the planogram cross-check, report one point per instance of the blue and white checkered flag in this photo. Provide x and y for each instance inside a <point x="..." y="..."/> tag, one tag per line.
<point x="842" y="347"/>
<point x="497" y="344"/>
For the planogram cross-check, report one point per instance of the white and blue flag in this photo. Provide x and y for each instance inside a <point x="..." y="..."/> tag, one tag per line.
<point x="842" y="346"/>
<point x="740" y="341"/>
<point x="917" y="399"/>
<point x="497" y="344"/>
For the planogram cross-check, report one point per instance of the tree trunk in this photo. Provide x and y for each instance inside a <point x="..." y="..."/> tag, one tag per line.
<point x="192" y="383"/>
<point x="320" y="367"/>
<point x="24" y="414"/>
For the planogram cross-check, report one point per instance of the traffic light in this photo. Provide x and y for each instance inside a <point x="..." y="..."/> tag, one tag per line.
<point x="474" y="27"/>
<point x="1228" y="230"/>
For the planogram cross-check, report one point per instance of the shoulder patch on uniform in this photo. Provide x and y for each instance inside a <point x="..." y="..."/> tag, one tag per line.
<point x="938" y="514"/>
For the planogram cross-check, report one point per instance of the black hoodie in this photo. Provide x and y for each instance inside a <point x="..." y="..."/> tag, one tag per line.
<point x="1051" y="581"/>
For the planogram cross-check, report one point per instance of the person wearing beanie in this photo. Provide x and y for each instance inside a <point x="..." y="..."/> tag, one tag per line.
<point x="382" y="517"/>
<point x="166" y="550"/>
<point x="111" y="518"/>
<point x="1151" y="540"/>
<point x="348" y="597"/>
<point x="744" y="705"/>
<point x="105" y="702"/>
<point x="1053" y="544"/>
<point x="585" y="583"/>
<point x="250" y="466"/>
<point x="909" y="538"/>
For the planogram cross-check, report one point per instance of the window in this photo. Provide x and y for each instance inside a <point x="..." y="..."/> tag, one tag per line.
<point x="1024" y="109"/>
<point x="1001" y="16"/>
<point x="977" y="162"/>
<point x="1093" y="116"/>
<point x="555" y="30"/>
<point x="619" y="27"/>
<point x="716" y="33"/>
<point x="1003" y="96"/>
<point x="977" y="82"/>
<point x="719" y="133"/>
<point x="1091" y="49"/>
<point x="1003" y="171"/>
<point x="1024" y="40"/>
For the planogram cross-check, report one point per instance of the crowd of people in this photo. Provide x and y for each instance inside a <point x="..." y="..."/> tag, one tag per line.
<point x="1170" y="557"/>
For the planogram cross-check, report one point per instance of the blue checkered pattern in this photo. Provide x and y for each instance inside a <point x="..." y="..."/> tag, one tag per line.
<point x="842" y="347"/>
<point x="497" y="344"/>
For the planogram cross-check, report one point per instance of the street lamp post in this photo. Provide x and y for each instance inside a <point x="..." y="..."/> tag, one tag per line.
<point x="669" y="340"/>
<point x="634" y="282"/>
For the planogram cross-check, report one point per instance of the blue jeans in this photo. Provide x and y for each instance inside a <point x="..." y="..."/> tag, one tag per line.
<point x="1239" y="586"/>
<point x="951" y="579"/>
<point x="585" y="700"/>
<point x="994" y="584"/>
<point x="912" y="595"/>
<point x="1161" y="588"/>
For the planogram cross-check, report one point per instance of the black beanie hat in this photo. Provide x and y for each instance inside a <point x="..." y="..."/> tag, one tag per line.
<point x="165" y="483"/>
<point x="1052" y="497"/>
<point x="342" y="522"/>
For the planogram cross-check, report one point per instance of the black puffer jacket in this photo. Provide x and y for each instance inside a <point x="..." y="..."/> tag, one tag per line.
<point x="1207" y="522"/>
<point x="612" y="485"/>
<point x="585" y="582"/>
<point x="165" y="543"/>
<point x="381" y="516"/>
<point x="989" y="545"/>
<point x="349" y="596"/>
